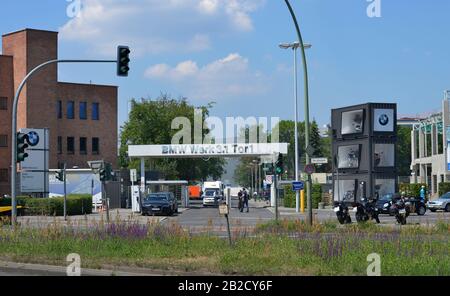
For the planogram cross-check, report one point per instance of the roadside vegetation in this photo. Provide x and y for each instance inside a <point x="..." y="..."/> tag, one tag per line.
<point x="284" y="248"/>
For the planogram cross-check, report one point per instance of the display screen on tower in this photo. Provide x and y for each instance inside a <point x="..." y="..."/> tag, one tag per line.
<point x="352" y="122"/>
<point x="384" y="155"/>
<point x="348" y="157"/>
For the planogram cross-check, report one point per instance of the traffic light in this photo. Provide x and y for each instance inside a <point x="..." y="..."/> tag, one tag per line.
<point x="279" y="165"/>
<point x="106" y="173"/>
<point x="103" y="175"/>
<point x="60" y="175"/>
<point x="123" y="61"/>
<point x="21" y="146"/>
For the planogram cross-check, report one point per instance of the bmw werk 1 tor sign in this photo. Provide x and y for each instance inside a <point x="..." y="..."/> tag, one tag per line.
<point x="206" y="150"/>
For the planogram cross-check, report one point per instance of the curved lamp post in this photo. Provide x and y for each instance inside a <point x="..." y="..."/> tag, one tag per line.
<point x="14" y="126"/>
<point x="307" y="127"/>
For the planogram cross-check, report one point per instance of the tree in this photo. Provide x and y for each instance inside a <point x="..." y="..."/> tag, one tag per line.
<point x="404" y="151"/>
<point x="150" y="123"/>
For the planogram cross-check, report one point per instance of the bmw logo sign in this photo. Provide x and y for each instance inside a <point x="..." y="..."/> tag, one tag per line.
<point x="383" y="120"/>
<point x="33" y="139"/>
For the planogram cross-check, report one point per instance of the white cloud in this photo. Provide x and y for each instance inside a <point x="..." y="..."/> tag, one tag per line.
<point x="223" y="78"/>
<point x="157" y="26"/>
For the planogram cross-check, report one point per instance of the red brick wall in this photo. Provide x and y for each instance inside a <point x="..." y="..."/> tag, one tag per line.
<point x="105" y="129"/>
<point x="38" y="102"/>
<point x="6" y="90"/>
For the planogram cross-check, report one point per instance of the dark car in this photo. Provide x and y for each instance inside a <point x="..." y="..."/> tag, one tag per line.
<point x="163" y="203"/>
<point x="384" y="204"/>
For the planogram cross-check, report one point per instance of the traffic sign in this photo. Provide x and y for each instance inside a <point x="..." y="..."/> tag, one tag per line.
<point x="322" y="160"/>
<point x="310" y="169"/>
<point x="269" y="179"/>
<point x="298" y="186"/>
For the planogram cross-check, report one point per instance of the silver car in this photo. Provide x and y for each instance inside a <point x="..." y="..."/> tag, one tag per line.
<point x="443" y="203"/>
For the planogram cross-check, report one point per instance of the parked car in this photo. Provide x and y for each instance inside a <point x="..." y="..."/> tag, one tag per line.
<point x="442" y="203"/>
<point x="160" y="203"/>
<point x="212" y="198"/>
<point x="384" y="204"/>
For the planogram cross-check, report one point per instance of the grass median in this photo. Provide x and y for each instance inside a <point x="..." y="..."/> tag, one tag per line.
<point x="285" y="248"/>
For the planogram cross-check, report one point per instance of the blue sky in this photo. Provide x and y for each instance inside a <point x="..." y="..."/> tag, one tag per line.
<point x="226" y="51"/>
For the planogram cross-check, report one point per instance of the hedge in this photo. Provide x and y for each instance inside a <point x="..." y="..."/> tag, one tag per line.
<point x="289" y="196"/>
<point x="76" y="205"/>
<point x="444" y="187"/>
<point x="412" y="189"/>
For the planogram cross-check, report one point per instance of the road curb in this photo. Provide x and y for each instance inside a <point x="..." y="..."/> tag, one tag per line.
<point x="53" y="270"/>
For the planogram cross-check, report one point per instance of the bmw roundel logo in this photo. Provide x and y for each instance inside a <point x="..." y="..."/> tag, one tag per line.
<point x="383" y="120"/>
<point x="33" y="138"/>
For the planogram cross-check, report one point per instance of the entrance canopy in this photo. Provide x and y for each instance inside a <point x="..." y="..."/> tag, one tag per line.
<point x="206" y="150"/>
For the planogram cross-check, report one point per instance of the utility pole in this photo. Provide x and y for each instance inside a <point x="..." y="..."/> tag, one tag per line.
<point x="275" y="181"/>
<point x="65" y="191"/>
<point x="307" y="125"/>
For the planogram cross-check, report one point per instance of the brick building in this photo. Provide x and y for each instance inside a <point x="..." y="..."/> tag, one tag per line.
<point x="82" y="118"/>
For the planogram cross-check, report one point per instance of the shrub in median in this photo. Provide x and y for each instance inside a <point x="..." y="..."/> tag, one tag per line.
<point x="316" y="194"/>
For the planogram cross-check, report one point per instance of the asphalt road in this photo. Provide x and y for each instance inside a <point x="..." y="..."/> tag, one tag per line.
<point x="199" y="218"/>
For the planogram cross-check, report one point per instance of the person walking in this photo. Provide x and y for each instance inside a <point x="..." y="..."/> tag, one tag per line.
<point x="423" y="193"/>
<point x="246" y="197"/>
<point x="240" y="204"/>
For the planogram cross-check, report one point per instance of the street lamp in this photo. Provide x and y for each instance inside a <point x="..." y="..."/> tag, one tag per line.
<point x="307" y="127"/>
<point x="294" y="46"/>
<point x="255" y="167"/>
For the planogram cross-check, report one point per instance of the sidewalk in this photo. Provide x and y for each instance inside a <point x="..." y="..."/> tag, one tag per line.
<point x="122" y="215"/>
<point x="290" y="213"/>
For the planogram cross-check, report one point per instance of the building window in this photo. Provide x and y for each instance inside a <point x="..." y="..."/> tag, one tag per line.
<point x="95" y="111"/>
<point x="60" y="148"/>
<point x="59" y="109"/>
<point x="70" y="145"/>
<point x="95" y="146"/>
<point x="83" y="146"/>
<point x="4" y="174"/>
<point x="71" y="110"/>
<point x="83" y="110"/>
<point x="3" y="103"/>
<point x="3" y="141"/>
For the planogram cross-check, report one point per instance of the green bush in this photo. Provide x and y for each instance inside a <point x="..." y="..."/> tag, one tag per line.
<point x="444" y="188"/>
<point x="76" y="205"/>
<point x="316" y="195"/>
<point x="21" y="201"/>
<point x="412" y="189"/>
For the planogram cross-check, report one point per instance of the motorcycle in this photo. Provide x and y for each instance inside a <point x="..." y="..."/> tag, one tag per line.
<point x="400" y="210"/>
<point x="416" y="206"/>
<point x="367" y="210"/>
<point x="342" y="213"/>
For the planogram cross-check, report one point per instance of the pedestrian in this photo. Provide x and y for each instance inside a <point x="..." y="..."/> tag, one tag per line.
<point x="240" y="204"/>
<point x="423" y="193"/>
<point x="246" y="197"/>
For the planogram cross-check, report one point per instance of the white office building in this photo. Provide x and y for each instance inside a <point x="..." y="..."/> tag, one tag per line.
<point x="430" y="148"/>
